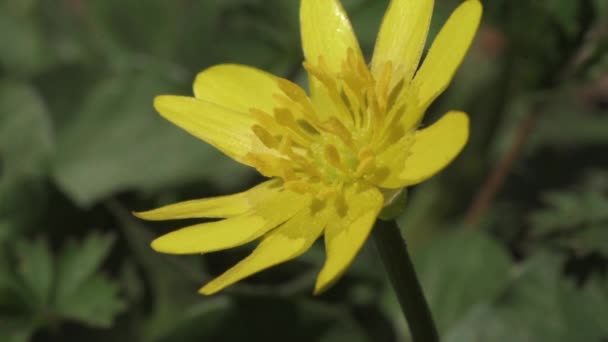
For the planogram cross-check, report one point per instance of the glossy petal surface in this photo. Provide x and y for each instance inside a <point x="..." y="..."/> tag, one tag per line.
<point x="237" y="88"/>
<point x="232" y="232"/>
<point x="346" y="232"/>
<point x="326" y="32"/>
<point x="447" y="51"/>
<point x="282" y="244"/>
<point x="227" y="130"/>
<point x="402" y="37"/>
<point x="215" y="207"/>
<point x="435" y="147"/>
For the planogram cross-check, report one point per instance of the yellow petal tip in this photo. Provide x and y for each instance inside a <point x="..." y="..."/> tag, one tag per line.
<point x="144" y="215"/>
<point x="138" y="214"/>
<point x="319" y="290"/>
<point x="323" y="284"/>
<point x="206" y="291"/>
<point x="161" y="245"/>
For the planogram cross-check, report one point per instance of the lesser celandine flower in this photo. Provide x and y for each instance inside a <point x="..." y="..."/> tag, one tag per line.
<point x="335" y="157"/>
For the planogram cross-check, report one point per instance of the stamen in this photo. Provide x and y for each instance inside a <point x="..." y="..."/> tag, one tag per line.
<point x="265" y="137"/>
<point x="327" y="79"/>
<point x="293" y="91"/>
<point x="288" y="173"/>
<point x="382" y="85"/>
<point x="269" y="166"/>
<point x="335" y="126"/>
<point x="304" y="108"/>
<point x="366" y="166"/>
<point x="341" y="205"/>
<point x="366" y="152"/>
<point x="301" y="187"/>
<point x="286" y="149"/>
<point x="333" y="157"/>
<point x="327" y="192"/>
<point x="263" y="118"/>
<point x="284" y="118"/>
<point x="285" y="145"/>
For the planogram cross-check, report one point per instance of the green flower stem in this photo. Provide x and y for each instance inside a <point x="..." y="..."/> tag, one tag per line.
<point x="396" y="259"/>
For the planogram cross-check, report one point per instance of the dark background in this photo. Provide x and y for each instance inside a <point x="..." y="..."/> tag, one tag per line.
<point x="511" y="241"/>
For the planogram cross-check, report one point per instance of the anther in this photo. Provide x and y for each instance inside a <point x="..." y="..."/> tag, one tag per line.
<point x="336" y="127"/>
<point x="383" y="84"/>
<point x="263" y="118"/>
<point x="333" y="157"/>
<point x="366" y="166"/>
<point x="298" y="186"/>
<point x="265" y="137"/>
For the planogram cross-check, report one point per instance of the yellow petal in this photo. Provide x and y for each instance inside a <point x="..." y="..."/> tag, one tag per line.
<point x="232" y="232"/>
<point x="402" y="37"/>
<point x="326" y="31"/>
<point x="213" y="236"/>
<point x="435" y="147"/>
<point x="282" y="244"/>
<point x="447" y="51"/>
<point x="345" y="234"/>
<point x="392" y="160"/>
<point x="327" y="34"/>
<point x="227" y="130"/>
<point x="237" y="87"/>
<point x="215" y="207"/>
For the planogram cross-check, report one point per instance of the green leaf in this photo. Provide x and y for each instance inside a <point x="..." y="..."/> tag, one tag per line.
<point x="35" y="267"/>
<point x="22" y="201"/>
<point x="566" y="13"/>
<point x="565" y="112"/>
<point x="173" y="280"/>
<point x="576" y="219"/>
<point x="201" y="321"/>
<point x="29" y="55"/>
<point x="44" y="290"/>
<point x="95" y="302"/>
<point x="80" y="293"/>
<point x="539" y="305"/>
<point x="79" y="261"/>
<point x="460" y="271"/>
<point x="13" y="329"/>
<point x="118" y="142"/>
<point x="152" y="33"/>
<point x="26" y="144"/>
<point x="26" y="139"/>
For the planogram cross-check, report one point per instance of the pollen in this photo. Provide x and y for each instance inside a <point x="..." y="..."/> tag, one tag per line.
<point x="337" y="147"/>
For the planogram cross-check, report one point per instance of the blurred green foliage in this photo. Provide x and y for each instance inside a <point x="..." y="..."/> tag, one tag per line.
<point x="81" y="146"/>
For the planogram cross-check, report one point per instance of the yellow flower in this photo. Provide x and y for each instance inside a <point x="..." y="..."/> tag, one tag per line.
<point x="334" y="159"/>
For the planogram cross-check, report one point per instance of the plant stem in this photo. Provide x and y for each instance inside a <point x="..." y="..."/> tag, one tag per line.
<point x="396" y="260"/>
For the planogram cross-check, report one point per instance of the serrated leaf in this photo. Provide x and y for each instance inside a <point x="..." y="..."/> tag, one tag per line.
<point x="36" y="290"/>
<point x="95" y="302"/>
<point x="576" y="219"/>
<point x="35" y="267"/>
<point x="171" y="287"/>
<point x="539" y="305"/>
<point x="80" y="293"/>
<point x="568" y="123"/>
<point x="79" y="261"/>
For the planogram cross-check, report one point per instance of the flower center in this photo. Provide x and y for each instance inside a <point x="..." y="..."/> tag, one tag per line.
<point x="339" y="142"/>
